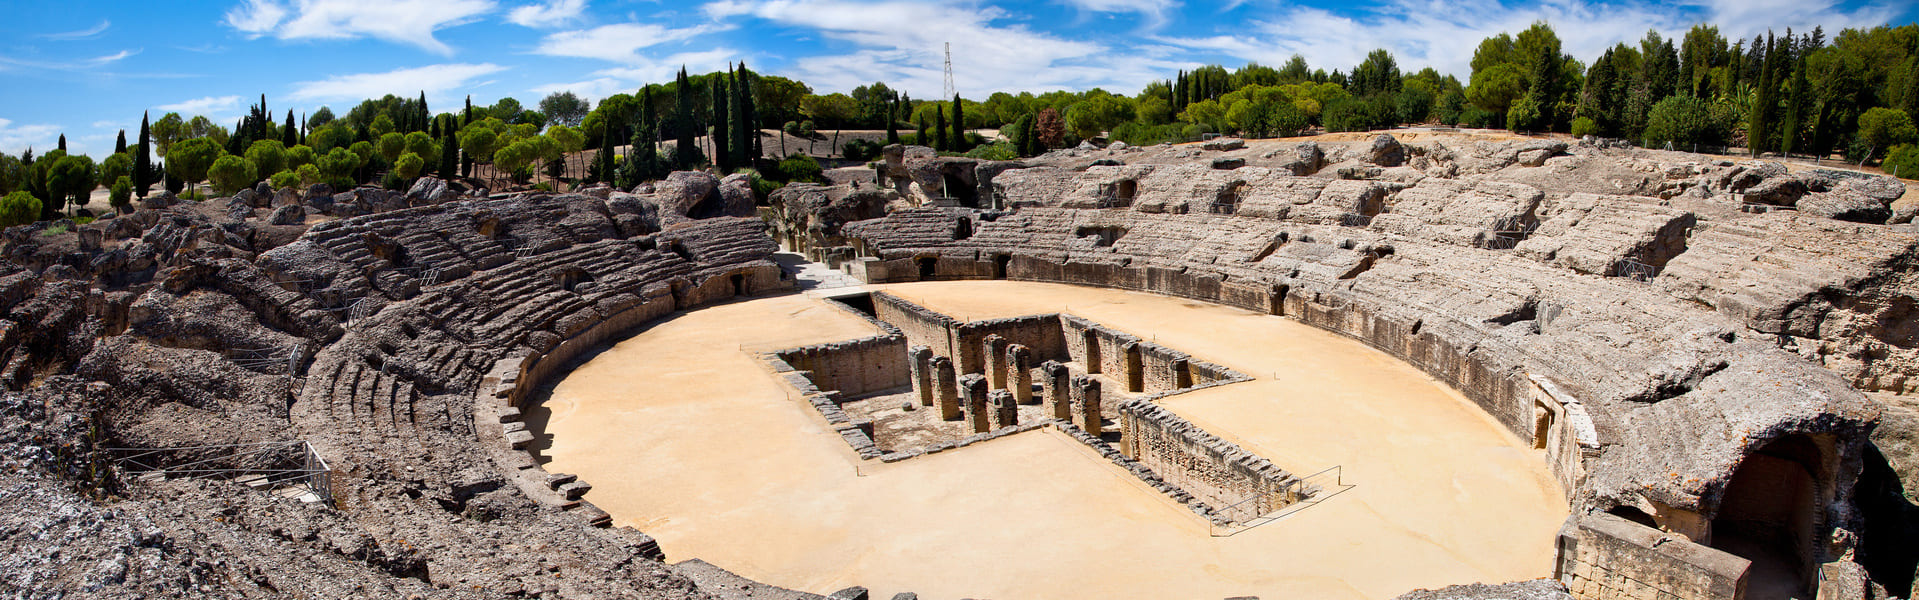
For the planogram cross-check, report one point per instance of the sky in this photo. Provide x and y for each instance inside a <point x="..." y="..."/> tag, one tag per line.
<point x="88" y="69"/>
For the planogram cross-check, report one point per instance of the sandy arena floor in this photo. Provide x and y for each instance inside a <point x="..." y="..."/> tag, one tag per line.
<point x="686" y="436"/>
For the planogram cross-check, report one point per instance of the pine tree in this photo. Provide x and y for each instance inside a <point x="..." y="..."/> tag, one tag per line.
<point x="722" y="157"/>
<point x="959" y="126"/>
<point x="143" y="160"/>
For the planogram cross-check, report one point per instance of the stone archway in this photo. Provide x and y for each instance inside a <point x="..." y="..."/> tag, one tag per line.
<point x="1770" y="514"/>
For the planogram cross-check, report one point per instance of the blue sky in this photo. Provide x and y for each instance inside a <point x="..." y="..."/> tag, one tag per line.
<point x="89" y="68"/>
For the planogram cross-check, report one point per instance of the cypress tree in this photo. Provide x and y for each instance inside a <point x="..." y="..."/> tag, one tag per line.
<point x="289" y="135"/>
<point x="466" y="162"/>
<point x="604" y="172"/>
<point x="892" y="121"/>
<point x="919" y="133"/>
<point x="1029" y="143"/>
<point x="142" y="160"/>
<point x="1795" y="108"/>
<point x="63" y="142"/>
<point x="643" y="160"/>
<point x="959" y="125"/>
<point x="685" y="154"/>
<point x="1759" y="123"/>
<point x="939" y="128"/>
<point x="424" y="116"/>
<point x="120" y="143"/>
<point x="718" y="137"/>
<point x="449" y="154"/>
<point x="742" y="126"/>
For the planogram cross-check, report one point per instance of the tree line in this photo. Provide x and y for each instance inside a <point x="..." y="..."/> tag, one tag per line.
<point x="1787" y="93"/>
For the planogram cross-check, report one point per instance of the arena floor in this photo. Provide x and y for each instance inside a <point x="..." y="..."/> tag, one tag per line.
<point x="684" y="434"/>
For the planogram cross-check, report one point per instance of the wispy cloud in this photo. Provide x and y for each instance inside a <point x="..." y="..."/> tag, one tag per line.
<point x="607" y="82"/>
<point x="1152" y="10"/>
<point x="207" y="48"/>
<point x="551" y="13"/>
<point x="901" y="42"/>
<point x="88" y="63"/>
<point x="410" y="22"/>
<point x="199" y="106"/>
<point x="81" y="34"/>
<point x="14" y="139"/>
<point x="619" y="42"/>
<point x="431" y="79"/>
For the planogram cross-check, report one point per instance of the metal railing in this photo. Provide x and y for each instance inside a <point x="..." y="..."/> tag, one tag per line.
<point x="1298" y="495"/>
<point x="1635" y="270"/>
<point x="313" y="476"/>
<point x="1355" y="220"/>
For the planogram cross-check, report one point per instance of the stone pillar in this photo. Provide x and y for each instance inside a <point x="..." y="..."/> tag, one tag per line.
<point x="945" y="388"/>
<point x="1135" y="370"/>
<point x="1054" y="380"/>
<point x="1092" y="351"/>
<point x="1005" y="409"/>
<point x="973" y="395"/>
<point x="993" y="360"/>
<point x="1019" y="373"/>
<point x="1086" y="401"/>
<point x="919" y="359"/>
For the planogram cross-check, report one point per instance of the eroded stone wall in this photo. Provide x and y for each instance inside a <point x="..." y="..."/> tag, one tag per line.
<point x="1605" y="557"/>
<point x="1220" y="473"/>
<point x="854" y="367"/>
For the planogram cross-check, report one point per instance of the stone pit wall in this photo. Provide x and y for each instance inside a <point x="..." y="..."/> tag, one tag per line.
<point x="854" y="367"/>
<point x="920" y="325"/>
<point x="1216" y="471"/>
<point x="1605" y="556"/>
<point x="1041" y="333"/>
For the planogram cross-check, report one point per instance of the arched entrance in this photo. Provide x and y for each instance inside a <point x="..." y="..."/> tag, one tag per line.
<point x="1770" y="515"/>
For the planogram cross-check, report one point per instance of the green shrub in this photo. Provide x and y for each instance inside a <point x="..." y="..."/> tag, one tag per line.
<point x="121" y="194"/>
<point x="1480" y="118"/>
<point x="1583" y="127"/>
<point x="19" y="208"/>
<point x="800" y="167"/>
<point x="997" y="151"/>
<point x="861" y="150"/>
<point x="54" y="230"/>
<point x="1680" y="120"/>
<point x="1902" y="161"/>
<point x="284" y="179"/>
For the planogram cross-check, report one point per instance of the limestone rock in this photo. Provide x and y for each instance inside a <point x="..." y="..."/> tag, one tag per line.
<point x="159" y="200"/>
<point x="737" y="193"/>
<point x="288" y="215"/>
<point x="1223" y="144"/>
<point x="1386" y="151"/>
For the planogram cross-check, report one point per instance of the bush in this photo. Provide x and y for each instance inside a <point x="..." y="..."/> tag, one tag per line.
<point x="284" y="179"/>
<point x="1345" y="115"/>
<point x="997" y="151"/>
<point x="763" y="187"/>
<point x="19" y="208"/>
<point x="121" y="194"/>
<point x="393" y="181"/>
<point x="1138" y="134"/>
<point x="1882" y="128"/>
<point x="230" y="173"/>
<point x="1479" y="118"/>
<point x="1526" y="115"/>
<point x="861" y="150"/>
<point x="800" y="167"/>
<point x="1680" y="120"/>
<point x="1583" y="127"/>
<point x="1903" y="161"/>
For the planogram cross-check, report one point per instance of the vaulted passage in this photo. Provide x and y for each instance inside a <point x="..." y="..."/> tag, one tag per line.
<point x="1769" y="515"/>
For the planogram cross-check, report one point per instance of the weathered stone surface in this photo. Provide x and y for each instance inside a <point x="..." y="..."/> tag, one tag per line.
<point x="288" y="215"/>
<point x="1386" y="151"/>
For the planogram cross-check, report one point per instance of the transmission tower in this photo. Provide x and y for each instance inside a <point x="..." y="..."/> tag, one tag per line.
<point x="951" y="89"/>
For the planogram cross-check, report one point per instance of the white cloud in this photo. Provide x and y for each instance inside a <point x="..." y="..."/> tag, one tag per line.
<point x="434" y="80"/>
<point x="552" y="13"/>
<point x="902" y="43"/>
<point x="201" y="106"/>
<point x="1155" y="10"/>
<point x="112" y="58"/>
<point x="105" y="124"/>
<point x="409" y="22"/>
<point x="619" y="42"/>
<point x="39" y="137"/>
<point x="81" y="34"/>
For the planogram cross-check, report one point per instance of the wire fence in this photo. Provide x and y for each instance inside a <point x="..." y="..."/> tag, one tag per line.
<point x="1635" y="270"/>
<point x="1267" y="507"/>
<point x="312" y="480"/>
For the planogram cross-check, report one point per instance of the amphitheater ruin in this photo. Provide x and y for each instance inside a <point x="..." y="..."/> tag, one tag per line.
<point x="1429" y="364"/>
